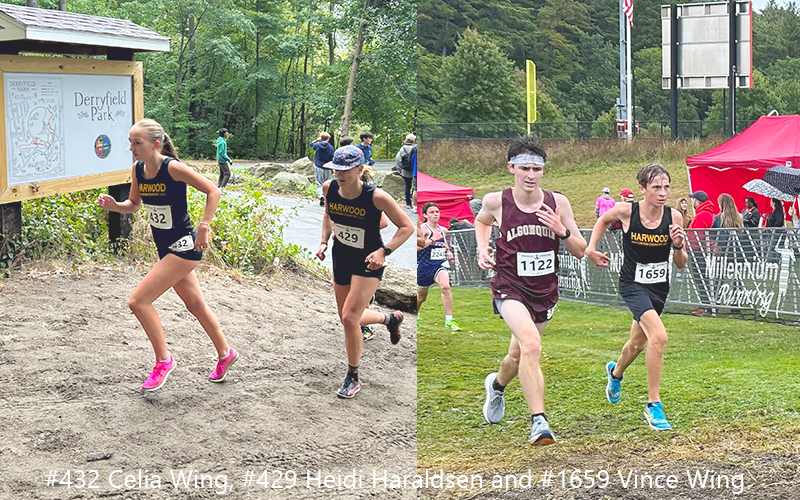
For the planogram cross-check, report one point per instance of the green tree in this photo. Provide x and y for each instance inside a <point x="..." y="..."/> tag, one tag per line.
<point x="478" y="83"/>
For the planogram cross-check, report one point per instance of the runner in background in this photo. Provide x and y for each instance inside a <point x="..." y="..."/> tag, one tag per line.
<point x="433" y="254"/>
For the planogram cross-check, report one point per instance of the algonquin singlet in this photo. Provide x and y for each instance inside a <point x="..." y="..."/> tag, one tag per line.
<point x="165" y="201"/>
<point x="646" y="259"/>
<point x="527" y="255"/>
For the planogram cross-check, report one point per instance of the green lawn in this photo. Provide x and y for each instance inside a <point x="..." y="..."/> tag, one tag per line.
<point x="728" y="386"/>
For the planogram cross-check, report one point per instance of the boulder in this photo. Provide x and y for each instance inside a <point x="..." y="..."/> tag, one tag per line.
<point x="398" y="288"/>
<point x="287" y="181"/>
<point x="391" y="183"/>
<point x="303" y="166"/>
<point x="267" y="170"/>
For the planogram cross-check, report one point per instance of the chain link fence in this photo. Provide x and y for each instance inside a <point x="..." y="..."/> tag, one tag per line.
<point x="568" y="130"/>
<point x="751" y="273"/>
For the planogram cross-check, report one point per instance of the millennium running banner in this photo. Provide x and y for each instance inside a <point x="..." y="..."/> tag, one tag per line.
<point x="750" y="272"/>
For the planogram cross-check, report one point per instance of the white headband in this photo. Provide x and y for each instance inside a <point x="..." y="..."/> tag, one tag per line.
<point x="525" y="159"/>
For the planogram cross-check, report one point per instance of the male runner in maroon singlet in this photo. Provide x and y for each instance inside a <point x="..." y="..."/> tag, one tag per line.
<point x="649" y="227"/>
<point x="532" y="223"/>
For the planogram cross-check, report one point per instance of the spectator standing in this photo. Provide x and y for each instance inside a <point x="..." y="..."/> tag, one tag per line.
<point x="403" y="164"/>
<point x="604" y="203"/>
<point x="456" y="224"/>
<point x="698" y="243"/>
<point x="323" y="153"/>
<point x="750" y="215"/>
<point x="223" y="159"/>
<point x="775" y="218"/>
<point x="683" y="208"/>
<point x="345" y="141"/>
<point x="625" y="196"/>
<point x="366" y="147"/>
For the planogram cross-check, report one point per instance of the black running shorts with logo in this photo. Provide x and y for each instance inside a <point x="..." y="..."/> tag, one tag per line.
<point x="641" y="299"/>
<point x="163" y="245"/>
<point x="349" y="264"/>
<point x="541" y="310"/>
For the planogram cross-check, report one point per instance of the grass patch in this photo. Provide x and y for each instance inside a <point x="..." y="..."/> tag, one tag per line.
<point x="728" y="386"/>
<point x="578" y="169"/>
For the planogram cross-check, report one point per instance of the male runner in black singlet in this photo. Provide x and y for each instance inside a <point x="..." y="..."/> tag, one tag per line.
<point x="532" y="223"/>
<point x="650" y="228"/>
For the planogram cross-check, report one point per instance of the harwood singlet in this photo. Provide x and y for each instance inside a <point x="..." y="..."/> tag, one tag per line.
<point x="527" y="251"/>
<point x="433" y="255"/>
<point x="356" y="222"/>
<point x="165" y="201"/>
<point x="646" y="259"/>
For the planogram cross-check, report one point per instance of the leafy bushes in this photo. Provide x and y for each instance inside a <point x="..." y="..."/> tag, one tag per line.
<point x="248" y="232"/>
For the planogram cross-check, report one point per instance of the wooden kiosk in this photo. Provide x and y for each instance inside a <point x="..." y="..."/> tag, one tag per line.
<point x="65" y="121"/>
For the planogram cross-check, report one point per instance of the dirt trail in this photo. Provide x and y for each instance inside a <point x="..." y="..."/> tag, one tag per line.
<point x="72" y="358"/>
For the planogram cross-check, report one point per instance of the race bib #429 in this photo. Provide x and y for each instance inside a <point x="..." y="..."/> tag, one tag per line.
<point x="350" y="236"/>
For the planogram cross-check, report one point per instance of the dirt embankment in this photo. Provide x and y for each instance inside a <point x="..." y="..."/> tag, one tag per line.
<point x="72" y="358"/>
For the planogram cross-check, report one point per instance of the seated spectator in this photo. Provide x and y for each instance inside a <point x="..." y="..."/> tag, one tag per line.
<point x="775" y="218"/>
<point x="750" y="215"/>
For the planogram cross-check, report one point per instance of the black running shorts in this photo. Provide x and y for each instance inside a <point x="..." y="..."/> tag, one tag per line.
<point x="641" y="299"/>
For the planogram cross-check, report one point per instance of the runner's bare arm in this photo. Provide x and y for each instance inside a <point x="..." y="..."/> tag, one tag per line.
<point x="129" y="206"/>
<point x="384" y="221"/>
<point x="405" y="228"/>
<point x="183" y="173"/>
<point x="679" y="255"/>
<point x="562" y="219"/>
<point x="422" y="237"/>
<point x="621" y="211"/>
<point x="490" y="210"/>
<point x="327" y="225"/>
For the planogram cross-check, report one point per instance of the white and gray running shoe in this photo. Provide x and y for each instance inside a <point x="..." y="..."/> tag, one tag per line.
<point x="495" y="405"/>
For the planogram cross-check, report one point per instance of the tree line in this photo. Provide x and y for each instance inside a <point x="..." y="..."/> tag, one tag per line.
<point x="273" y="72"/>
<point x="575" y="45"/>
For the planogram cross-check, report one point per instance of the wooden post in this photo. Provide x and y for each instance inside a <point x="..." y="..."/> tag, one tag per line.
<point x="119" y="225"/>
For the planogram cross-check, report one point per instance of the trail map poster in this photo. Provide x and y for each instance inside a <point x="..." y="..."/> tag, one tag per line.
<point x="63" y="126"/>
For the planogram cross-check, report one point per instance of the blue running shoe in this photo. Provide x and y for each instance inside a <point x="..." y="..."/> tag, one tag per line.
<point x="614" y="386"/>
<point x="654" y="413"/>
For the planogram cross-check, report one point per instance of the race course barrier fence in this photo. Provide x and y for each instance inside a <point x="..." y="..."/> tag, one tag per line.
<point x="749" y="272"/>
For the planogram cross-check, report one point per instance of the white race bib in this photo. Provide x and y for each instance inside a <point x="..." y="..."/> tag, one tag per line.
<point x="183" y="245"/>
<point x="437" y="253"/>
<point x="647" y="274"/>
<point x="536" y="263"/>
<point x="159" y="216"/>
<point x="350" y="236"/>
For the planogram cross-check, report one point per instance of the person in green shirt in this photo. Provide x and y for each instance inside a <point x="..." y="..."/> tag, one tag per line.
<point x="223" y="159"/>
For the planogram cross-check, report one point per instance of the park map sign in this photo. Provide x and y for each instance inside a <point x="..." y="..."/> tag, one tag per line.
<point x="66" y="124"/>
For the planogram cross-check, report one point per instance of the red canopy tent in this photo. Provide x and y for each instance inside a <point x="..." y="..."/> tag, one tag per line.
<point x="453" y="200"/>
<point x="770" y="141"/>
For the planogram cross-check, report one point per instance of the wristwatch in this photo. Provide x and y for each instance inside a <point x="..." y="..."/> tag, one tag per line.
<point x="387" y="251"/>
<point x="566" y="235"/>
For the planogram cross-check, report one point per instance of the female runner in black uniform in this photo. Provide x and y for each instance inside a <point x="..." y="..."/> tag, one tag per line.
<point x="353" y="215"/>
<point x="159" y="182"/>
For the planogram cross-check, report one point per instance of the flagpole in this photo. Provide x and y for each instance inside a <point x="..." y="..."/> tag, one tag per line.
<point x="629" y="79"/>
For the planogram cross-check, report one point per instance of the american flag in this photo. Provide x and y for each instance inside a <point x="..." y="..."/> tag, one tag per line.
<point x="627" y="8"/>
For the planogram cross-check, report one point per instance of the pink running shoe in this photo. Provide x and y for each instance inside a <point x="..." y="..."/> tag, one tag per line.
<point x="218" y="375"/>
<point x="160" y="373"/>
